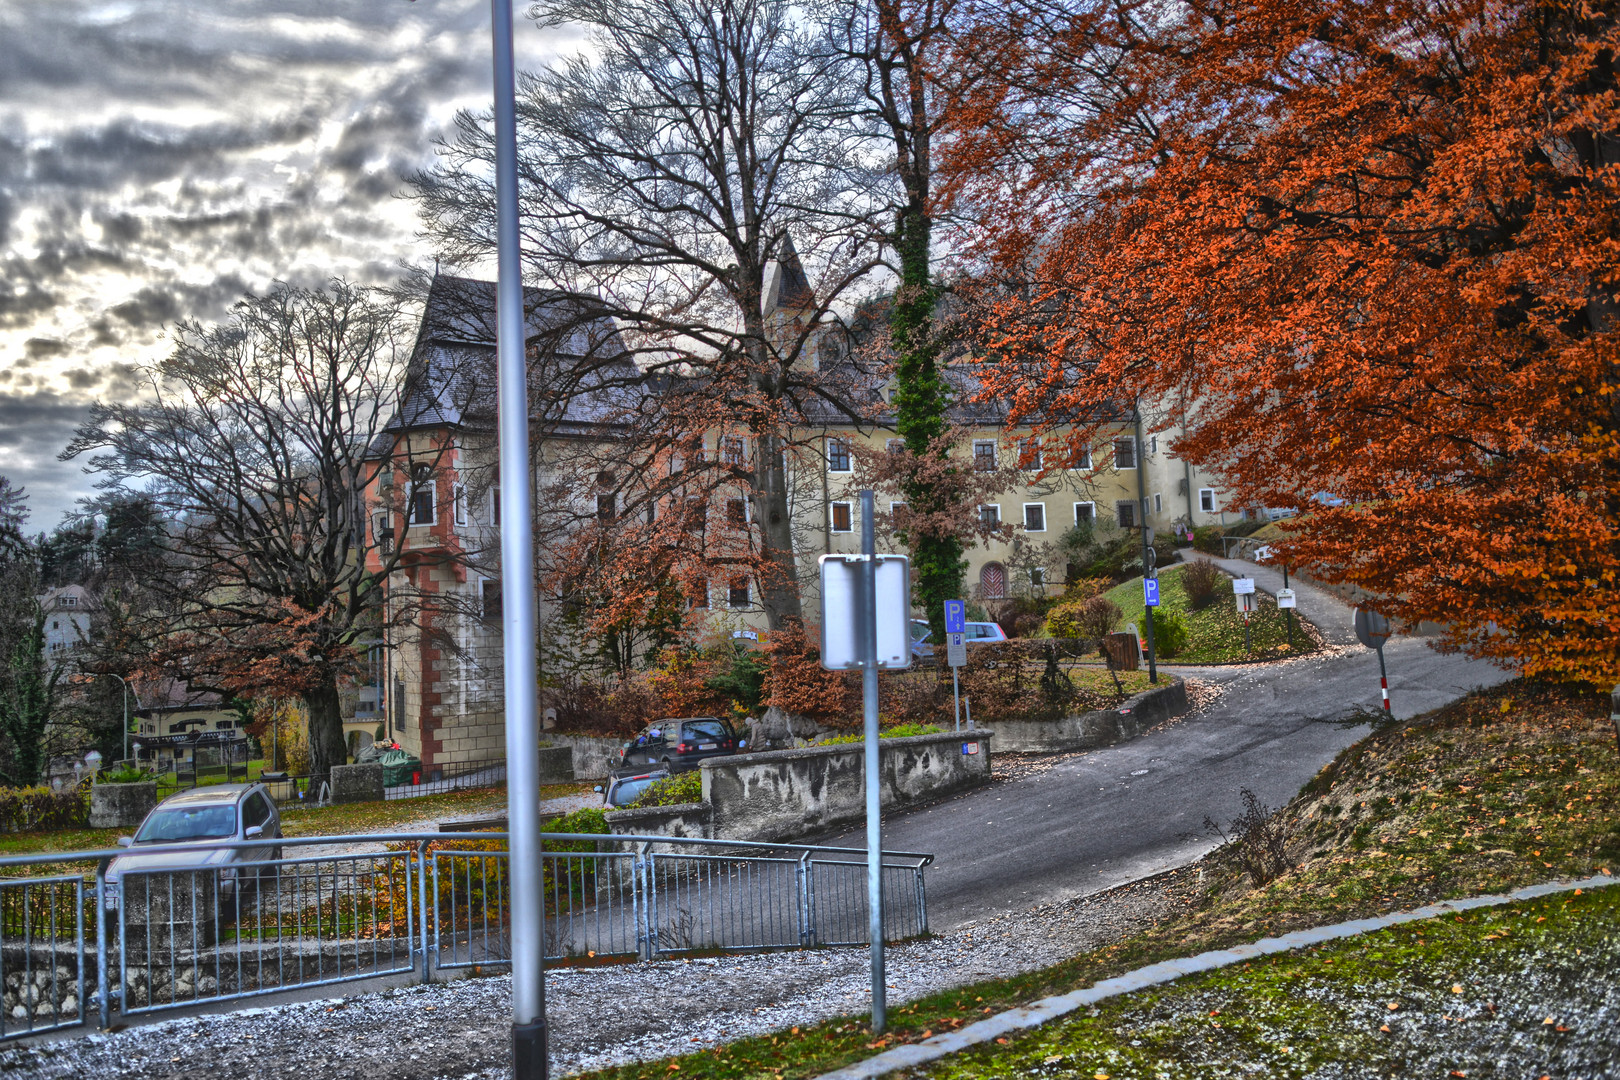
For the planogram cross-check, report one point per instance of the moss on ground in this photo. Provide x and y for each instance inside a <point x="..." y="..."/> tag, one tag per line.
<point x="1507" y="991"/>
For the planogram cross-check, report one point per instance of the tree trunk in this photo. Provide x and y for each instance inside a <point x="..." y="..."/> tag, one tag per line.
<point x="779" y="572"/>
<point x="327" y="746"/>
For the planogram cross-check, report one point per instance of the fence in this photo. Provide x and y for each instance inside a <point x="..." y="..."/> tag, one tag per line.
<point x="139" y="935"/>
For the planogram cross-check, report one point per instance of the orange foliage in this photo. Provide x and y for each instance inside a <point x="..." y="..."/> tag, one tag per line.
<point x="797" y="683"/>
<point x="1366" y="250"/>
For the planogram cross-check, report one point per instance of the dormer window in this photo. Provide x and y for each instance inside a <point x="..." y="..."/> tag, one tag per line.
<point x="67" y="601"/>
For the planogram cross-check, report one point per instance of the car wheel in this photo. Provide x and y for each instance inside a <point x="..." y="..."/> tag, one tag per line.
<point x="669" y="767"/>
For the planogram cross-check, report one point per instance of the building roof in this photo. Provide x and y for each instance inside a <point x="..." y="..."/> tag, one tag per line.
<point x="578" y="366"/>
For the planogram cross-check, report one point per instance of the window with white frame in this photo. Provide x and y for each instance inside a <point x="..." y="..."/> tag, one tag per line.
<point x="489" y="598"/>
<point x="1029" y="455"/>
<point x="990" y="516"/>
<point x="1158" y="503"/>
<point x="458" y="499"/>
<point x="736" y="513"/>
<point x="1080" y="457"/>
<point x="1125" y="513"/>
<point x="1153" y="444"/>
<point x="1124" y="453"/>
<point x="896" y="507"/>
<point x="843" y="517"/>
<point x="1034" y="517"/>
<point x="495" y="506"/>
<point x="984" y="455"/>
<point x="737" y="592"/>
<point x="1085" y="513"/>
<point x="837" y="455"/>
<point x="732" y="450"/>
<point x="1037" y="577"/>
<point x="422" y="508"/>
<point x="1206" y="500"/>
<point x="67" y="601"/>
<point x="700" y="594"/>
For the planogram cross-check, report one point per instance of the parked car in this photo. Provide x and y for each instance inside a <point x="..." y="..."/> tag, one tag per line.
<point x="218" y="814"/>
<point x="976" y="633"/>
<point x="624" y="790"/>
<point x="681" y="744"/>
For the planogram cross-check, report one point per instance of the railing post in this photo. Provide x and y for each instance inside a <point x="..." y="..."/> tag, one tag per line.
<point x="422" y="902"/>
<point x="649" y="861"/>
<point x="103" y="991"/>
<point x="922" y="902"/>
<point x="807" y="926"/>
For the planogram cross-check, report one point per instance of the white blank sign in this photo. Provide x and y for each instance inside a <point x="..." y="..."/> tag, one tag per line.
<point x="1243" y="585"/>
<point x="840" y="582"/>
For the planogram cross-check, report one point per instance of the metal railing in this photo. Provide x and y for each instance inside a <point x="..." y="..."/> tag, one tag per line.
<point x="78" y="946"/>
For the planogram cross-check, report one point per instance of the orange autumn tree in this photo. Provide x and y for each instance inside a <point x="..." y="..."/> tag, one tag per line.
<point x="1370" y="249"/>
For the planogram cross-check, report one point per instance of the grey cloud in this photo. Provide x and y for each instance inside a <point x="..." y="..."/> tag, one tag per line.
<point x="42" y="348"/>
<point x="34" y="429"/>
<point x="152" y="306"/>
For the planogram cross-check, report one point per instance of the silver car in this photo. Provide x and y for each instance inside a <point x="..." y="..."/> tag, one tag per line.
<point x="222" y="814"/>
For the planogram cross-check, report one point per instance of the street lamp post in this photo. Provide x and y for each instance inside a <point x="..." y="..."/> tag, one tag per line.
<point x="529" y="1051"/>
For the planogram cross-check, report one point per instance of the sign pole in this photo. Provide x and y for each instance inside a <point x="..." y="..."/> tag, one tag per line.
<point x="1147" y="540"/>
<point x="1290" y="610"/>
<point x="1383" y="678"/>
<point x="956" y="693"/>
<point x="866" y="614"/>
<point x="1373" y="630"/>
<point x="517" y="585"/>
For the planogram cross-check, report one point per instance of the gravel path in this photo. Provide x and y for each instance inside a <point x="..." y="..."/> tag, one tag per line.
<point x="599" y="1016"/>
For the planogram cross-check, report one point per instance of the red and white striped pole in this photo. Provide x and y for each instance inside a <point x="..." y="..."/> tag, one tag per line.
<point x="1383" y="678"/>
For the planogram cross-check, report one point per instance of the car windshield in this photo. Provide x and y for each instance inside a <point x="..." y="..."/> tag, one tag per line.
<point x="629" y="790"/>
<point x="182" y="823"/>
<point x="920" y="631"/>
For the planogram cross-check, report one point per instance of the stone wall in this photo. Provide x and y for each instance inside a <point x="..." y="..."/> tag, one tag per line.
<point x="1103" y="727"/>
<point x="784" y="795"/>
<point x="556" y="765"/>
<point x="121" y="806"/>
<point x="357" y="783"/>
<point x="591" y="753"/>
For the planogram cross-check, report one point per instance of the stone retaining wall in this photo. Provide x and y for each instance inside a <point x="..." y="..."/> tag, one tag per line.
<point x="1103" y="727"/>
<point x="783" y="795"/>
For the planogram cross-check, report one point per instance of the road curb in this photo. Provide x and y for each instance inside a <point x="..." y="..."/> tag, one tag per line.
<point x="1051" y="1008"/>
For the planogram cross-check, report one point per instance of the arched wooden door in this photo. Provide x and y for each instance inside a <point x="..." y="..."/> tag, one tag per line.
<point x="992" y="581"/>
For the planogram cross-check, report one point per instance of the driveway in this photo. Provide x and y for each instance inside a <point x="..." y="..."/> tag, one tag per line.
<point x="1098" y="819"/>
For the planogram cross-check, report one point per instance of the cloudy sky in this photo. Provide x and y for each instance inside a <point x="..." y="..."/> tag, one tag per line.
<point x="159" y="158"/>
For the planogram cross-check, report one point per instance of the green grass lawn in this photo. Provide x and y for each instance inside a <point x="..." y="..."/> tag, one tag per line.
<point x="396" y="815"/>
<point x="1215" y="634"/>
<point x="1508" y="787"/>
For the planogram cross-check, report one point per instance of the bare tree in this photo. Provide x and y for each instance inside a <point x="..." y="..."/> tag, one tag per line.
<point x="257" y="440"/>
<point x="678" y="181"/>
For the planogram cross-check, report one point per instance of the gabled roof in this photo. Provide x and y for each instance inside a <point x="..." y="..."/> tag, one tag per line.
<point x="450" y="381"/>
<point x="787" y="288"/>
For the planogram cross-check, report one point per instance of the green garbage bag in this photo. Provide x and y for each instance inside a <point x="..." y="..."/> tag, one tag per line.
<point x="398" y="767"/>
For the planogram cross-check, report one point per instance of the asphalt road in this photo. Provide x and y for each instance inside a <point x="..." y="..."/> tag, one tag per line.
<point x="1116" y="814"/>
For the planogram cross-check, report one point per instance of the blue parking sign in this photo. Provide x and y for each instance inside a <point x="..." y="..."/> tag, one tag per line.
<point x="955" y="617"/>
<point x="1150" y="592"/>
